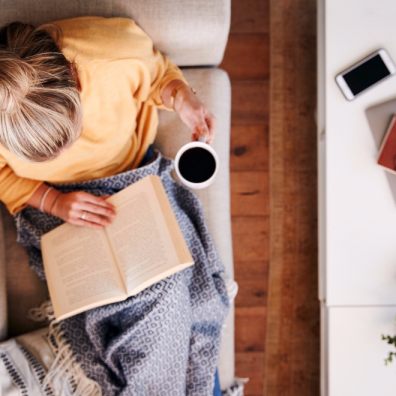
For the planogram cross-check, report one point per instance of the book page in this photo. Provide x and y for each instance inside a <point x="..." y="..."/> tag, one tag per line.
<point x="175" y="233"/>
<point x="80" y="269"/>
<point x="140" y="238"/>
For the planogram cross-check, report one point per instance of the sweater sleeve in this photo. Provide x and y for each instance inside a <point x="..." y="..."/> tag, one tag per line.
<point x="15" y="191"/>
<point x="165" y="72"/>
<point x="162" y="70"/>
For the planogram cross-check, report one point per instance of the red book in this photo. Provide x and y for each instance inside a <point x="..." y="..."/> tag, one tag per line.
<point x="387" y="152"/>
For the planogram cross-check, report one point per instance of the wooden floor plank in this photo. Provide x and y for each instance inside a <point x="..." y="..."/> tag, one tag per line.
<point x="252" y="277"/>
<point x="249" y="147"/>
<point x="250" y="238"/>
<point x="247" y="62"/>
<point x="250" y="365"/>
<point x="249" y="193"/>
<point x="250" y="329"/>
<point x="250" y="102"/>
<point x="251" y="53"/>
<point x="292" y="336"/>
<point x="249" y="16"/>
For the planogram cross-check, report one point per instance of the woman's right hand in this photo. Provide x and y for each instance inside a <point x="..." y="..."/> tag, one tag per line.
<point x="71" y="206"/>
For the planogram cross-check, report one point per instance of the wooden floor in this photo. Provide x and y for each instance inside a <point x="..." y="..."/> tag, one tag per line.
<point x="271" y="61"/>
<point x="247" y="62"/>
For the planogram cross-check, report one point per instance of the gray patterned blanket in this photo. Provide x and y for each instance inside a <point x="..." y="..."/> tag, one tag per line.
<point x="163" y="341"/>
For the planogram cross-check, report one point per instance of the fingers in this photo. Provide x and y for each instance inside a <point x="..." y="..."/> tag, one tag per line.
<point x="85" y="223"/>
<point x="96" y="210"/>
<point x="202" y="131"/>
<point x="195" y="115"/>
<point x="100" y="210"/>
<point x="210" y="122"/>
<point x="205" y="129"/>
<point x="94" y="213"/>
<point x="101" y="201"/>
<point x="90" y="219"/>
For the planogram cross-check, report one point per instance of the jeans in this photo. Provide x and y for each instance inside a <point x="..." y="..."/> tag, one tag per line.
<point x="148" y="156"/>
<point x="216" y="388"/>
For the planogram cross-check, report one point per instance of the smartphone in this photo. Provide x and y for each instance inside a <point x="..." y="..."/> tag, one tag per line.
<point x="364" y="74"/>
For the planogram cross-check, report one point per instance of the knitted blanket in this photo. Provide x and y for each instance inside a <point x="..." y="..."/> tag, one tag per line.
<point x="163" y="341"/>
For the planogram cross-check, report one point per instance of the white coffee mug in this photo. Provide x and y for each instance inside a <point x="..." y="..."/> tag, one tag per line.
<point x="188" y="146"/>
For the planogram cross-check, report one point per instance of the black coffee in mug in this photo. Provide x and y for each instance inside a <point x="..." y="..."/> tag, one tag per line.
<point x="197" y="165"/>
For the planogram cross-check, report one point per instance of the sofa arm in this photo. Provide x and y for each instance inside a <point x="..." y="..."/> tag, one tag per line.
<point x="191" y="33"/>
<point x="3" y="285"/>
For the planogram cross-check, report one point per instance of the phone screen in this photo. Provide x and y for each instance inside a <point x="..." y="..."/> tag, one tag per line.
<point x="366" y="74"/>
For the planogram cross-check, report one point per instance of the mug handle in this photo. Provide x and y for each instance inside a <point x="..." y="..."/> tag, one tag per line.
<point x="202" y="139"/>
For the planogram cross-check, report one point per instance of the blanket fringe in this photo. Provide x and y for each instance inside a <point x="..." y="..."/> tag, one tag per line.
<point x="232" y="289"/>
<point x="44" y="312"/>
<point x="65" y="374"/>
<point x="237" y="388"/>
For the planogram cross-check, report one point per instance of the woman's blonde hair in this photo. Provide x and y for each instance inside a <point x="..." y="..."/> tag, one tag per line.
<point x="40" y="107"/>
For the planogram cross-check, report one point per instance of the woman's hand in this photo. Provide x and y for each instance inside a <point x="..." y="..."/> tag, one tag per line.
<point x="96" y="211"/>
<point x="190" y="109"/>
<point x="194" y="114"/>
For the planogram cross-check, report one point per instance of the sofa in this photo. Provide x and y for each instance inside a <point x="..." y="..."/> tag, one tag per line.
<point x="194" y="35"/>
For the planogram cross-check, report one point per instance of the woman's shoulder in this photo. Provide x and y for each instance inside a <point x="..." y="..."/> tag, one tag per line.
<point x="95" y="23"/>
<point x="90" y="38"/>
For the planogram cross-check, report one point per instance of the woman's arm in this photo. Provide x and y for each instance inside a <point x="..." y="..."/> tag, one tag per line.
<point x="163" y="79"/>
<point x="70" y="206"/>
<point x="179" y="96"/>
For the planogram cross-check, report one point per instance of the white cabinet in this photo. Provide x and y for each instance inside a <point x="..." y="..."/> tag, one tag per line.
<point x="356" y="353"/>
<point x="358" y="217"/>
<point x="357" y="211"/>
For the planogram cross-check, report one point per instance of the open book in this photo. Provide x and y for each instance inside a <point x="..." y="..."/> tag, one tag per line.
<point x="87" y="268"/>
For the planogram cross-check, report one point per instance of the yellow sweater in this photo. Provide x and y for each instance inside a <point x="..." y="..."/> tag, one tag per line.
<point x="121" y="76"/>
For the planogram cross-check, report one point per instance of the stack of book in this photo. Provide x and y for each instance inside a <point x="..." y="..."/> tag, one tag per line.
<point x="387" y="152"/>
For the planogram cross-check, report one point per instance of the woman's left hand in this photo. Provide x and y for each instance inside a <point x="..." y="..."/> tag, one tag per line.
<point x="194" y="114"/>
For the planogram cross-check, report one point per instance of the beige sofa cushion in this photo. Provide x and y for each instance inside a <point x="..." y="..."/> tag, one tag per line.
<point x="24" y="289"/>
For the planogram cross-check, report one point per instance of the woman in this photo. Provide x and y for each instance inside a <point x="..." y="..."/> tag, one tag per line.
<point x="78" y="108"/>
<point x="41" y="110"/>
